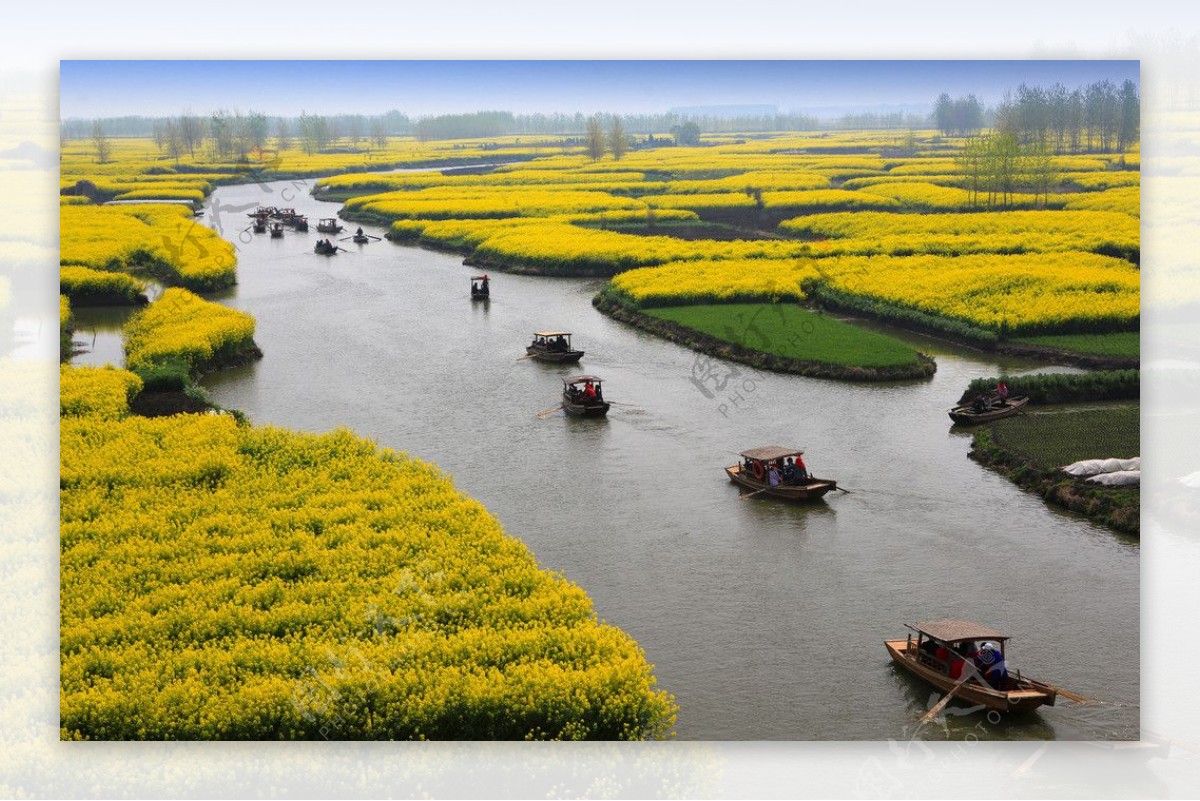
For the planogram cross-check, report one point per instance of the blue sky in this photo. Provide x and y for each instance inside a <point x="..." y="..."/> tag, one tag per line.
<point x="115" y="88"/>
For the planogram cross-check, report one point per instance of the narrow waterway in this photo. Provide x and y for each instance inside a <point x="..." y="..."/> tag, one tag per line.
<point x="765" y="620"/>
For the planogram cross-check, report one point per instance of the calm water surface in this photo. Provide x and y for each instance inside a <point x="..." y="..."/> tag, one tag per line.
<point x="765" y="620"/>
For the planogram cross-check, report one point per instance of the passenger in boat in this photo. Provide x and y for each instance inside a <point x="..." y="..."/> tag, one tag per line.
<point x="941" y="655"/>
<point x="990" y="662"/>
<point x="589" y="392"/>
<point x="359" y="231"/>
<point x="958" y="658"/>
<point x="1002" y="392"/>
<point x="773" y="475"/>
<point x="981" y="403"/>
<point x="801" y="469"/>
<point x="789" y="471"/>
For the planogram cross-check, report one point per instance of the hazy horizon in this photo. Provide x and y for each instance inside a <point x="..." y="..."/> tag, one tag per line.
<point x="98" y="89"/>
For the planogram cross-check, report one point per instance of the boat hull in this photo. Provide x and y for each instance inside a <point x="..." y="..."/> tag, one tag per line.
<point x="555" y="357"/>
<point x="1027" y="695"/>
<point x="593" y="409"/>
<point x="811" y="490"/>
<point x="966" y="416"/>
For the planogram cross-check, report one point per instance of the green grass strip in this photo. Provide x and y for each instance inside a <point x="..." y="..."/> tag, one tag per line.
<point x="791" y="332"/>
<point x="1127" y="343"/>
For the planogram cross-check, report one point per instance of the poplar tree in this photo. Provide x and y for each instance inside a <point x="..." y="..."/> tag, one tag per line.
<point x="101" y="143"/>
<point x="618" y="140"/>
<point x="595" y="139"/>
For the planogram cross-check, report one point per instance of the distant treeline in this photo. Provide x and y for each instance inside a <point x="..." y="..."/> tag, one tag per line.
<point x="475" y="125"/>
<point x="1098" y="117"/>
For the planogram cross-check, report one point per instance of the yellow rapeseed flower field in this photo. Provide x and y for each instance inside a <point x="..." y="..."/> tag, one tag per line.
<point x="98" y="286"/>
<point x="481" y="202"/>
<point x="226" y="582"/>
<point x="164" y="240"/>
<point x="1123" y="199"/>
<point x="182" y="327"/>
<point x="682" y="283"/>
<point x="96" y="392"/>
<point x="978" y="232"/>
<point x="1028" y="294"/>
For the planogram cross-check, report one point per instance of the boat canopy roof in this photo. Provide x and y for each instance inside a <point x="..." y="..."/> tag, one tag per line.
<point x="951" y="631"/>
<point x="480" y="278"/>
<point x="329" y="219"/>
<point x="551" y="333"/>
<point x="581" y="379"/>
<point x="769" y="453"/>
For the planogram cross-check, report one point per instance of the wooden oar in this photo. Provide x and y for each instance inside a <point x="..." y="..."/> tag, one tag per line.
<point x="752" y="494"/>
<point x="526" y="356"/>
<point x="545" y="412"/>
<point x="1079" y="699"/>
<point x="940" y="705"/>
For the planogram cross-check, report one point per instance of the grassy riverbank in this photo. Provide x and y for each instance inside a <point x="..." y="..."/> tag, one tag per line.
<point x="1042" y="388"/>
<point x="1030" y="448"/>
<point x="1122" y="345"/>
<point x="780" y="337"/>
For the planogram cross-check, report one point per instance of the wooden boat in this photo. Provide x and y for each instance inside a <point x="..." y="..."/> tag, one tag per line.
<point x="578" y="401"/>
<point x="994" y="409"/>
<point x="552" y="346"/>
<point x="480" y="288"/>
<point x="752" y="473"/>
<point x="260" y="226"/>
<point x="325" y="248"/>
<point x="939" y="655"/>
<point x="300" y="223"/>
<point x="329" y="225"/>
<point x="361" y="239"/>
<point x="276" y="230"/>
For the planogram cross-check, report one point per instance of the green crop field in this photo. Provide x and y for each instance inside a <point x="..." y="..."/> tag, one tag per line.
<point x="1055" y="439"/>
<point x="791" y="332"/>
<point x="1127" y="343"/>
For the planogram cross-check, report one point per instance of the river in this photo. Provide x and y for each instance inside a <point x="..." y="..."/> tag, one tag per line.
<point x="765" y="620"/>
